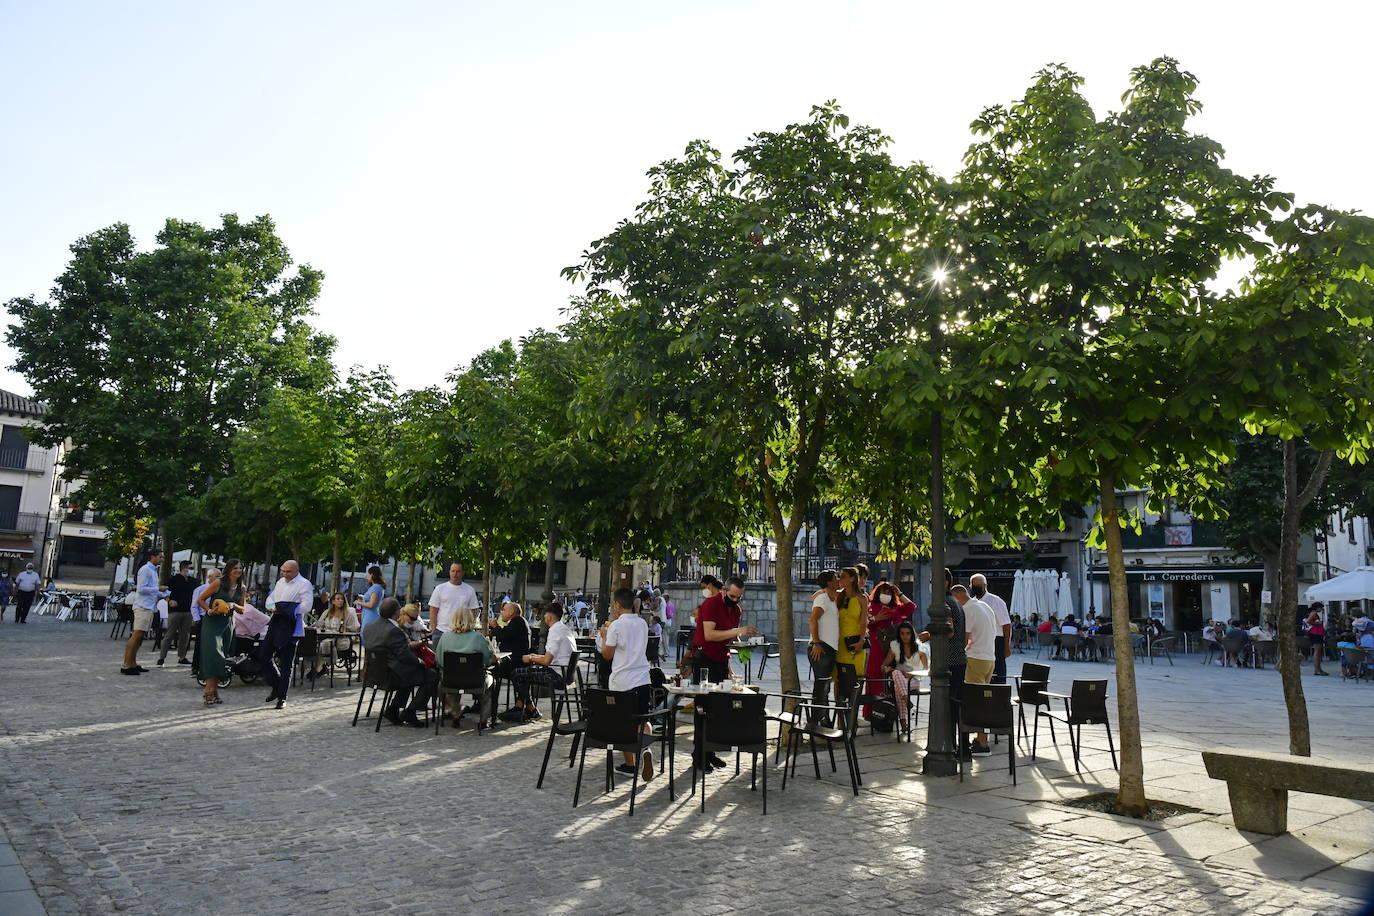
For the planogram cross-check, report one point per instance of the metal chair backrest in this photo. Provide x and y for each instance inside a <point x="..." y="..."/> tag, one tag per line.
<point x="852" y="722"/>
<point x="1088" y="703"/>
<point x="1045" y="639"/>
<point x="309" y="646"/>
<point x="1164" y="642"/>
<point x="1352" y="657"/>
<point x="1070" y="641"/>
<point x="735" y="719"/>
<point x="651" y="648"/>
<point x="612" y="716"/>
<point x="1034" y="679"/>
<point x="986" y="706"/>
<point x="378" y="671"/>
<point x="570" y="673"/>
<point x="464" y="671"/>
<point x="1234" y="642"/>
<point x="1103" y="641"/>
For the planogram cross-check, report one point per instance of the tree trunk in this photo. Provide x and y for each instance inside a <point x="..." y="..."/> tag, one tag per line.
<point x="337" y="559"/>
<point x="486" y="582"/>
<point x="1290" y="665"/>
<point x="787" y="654"/>
<point x="937" y="516"/>
<point x="168" y="548"/>
<point x="1268" y="611"/>
<point x="1131" y="792"/>
<point x="617" y="559"/>
<point x="603" y="597"/>
<point x="267" y="564"/>
<point x="410" y="580"/>
<point x="395" y="571"/>
<point x="550" y="548"/>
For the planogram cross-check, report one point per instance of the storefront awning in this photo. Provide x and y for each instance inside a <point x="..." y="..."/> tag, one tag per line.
<point x="15" y="549"/>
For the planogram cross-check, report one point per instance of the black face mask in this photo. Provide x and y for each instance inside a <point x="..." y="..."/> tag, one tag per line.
<point x="978" y="591"/>
<point x="730" y="602"/>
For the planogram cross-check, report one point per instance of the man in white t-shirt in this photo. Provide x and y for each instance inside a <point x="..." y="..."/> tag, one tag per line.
<point x="978" y="587"/>
<point x="980" y="628"/>
<point x="448" y="597"/>
<point x="825" y="632"/>
<point x="624" y="642"/>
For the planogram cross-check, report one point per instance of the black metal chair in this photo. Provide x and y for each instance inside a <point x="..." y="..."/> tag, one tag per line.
<point x="914" y="692"/>
<point x="1164" y="645"/>
<point x="1069" y="646"/>
<point x="770" y="650"/>
<point x="815" y="728"/>
<point x="308" y="648"/>
<point x="1352" y="663"/>
<point x="738" y="722"/>
<point x="1030" y="691"/>
<point x="651" y="649"/>
<point x="567" y="694"/>
<point x="615" y="723"/>
<point x="1139" y="645"/>
<point x="1086" y="704"/>
<point x="987" y="708"/>
<point x="464" y="673"/>
<point x="1043" y="641"/>
<point x="377" y="676"/>
<point x="1234" y="645"/>
<point x="123" y="622"/>
<point x="1104" y="646"/>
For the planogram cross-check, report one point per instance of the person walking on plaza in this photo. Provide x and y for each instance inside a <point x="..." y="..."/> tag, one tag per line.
<point x="418" y="681"/>
<point x="624" y="641"/>
<point x="26" y="588"/>
<point x="6" y="590"/>
<point x="370" y="601"/>
<point x="218" y="604"/>
<point x="978" y="588"/>
<point x="448" y="597"/>
<point x="1316" y="636"/>
<point x="979" y="647"/>
<point x="179" y="621"/>
<point x="289" y="601"/>
<point x="145" y="605"/>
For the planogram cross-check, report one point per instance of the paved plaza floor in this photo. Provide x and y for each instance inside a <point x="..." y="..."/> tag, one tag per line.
<point x="124" y="793"/>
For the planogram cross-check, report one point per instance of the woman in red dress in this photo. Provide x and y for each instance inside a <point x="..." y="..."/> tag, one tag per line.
<point x="887" y="607"/>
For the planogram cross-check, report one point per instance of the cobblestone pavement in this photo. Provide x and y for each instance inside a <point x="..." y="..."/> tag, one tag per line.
<point x="126" y="794"/>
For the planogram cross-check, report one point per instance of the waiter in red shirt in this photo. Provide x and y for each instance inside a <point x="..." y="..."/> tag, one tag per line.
<point x="718" y="626"/>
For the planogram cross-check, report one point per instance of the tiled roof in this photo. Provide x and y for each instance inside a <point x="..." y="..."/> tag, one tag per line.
<point x="13" y="403"/>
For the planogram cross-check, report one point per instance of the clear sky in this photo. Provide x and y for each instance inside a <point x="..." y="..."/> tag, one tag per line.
<point x="442" y="161"/>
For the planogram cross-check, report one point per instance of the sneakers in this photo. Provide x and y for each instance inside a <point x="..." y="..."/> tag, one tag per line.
<point x="627" y="768"/>
<point x="183" y="661"/>
<point x="133" y="670"/>
<point x="160" y="661"/>
<point x="648" y="773"/>
<point x="979" y="750"/>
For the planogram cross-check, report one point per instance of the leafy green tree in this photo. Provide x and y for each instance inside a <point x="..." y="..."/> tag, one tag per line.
<point x="1303" y="323"/>
<point x="1083" y="250"/>
<point x="148" y="360"/>
<point x="738" y="297"/>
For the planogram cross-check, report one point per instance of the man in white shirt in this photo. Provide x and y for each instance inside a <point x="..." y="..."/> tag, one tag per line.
<point x="551" y="667"/>
<point x="26" y="587"/>
<point x="978" y="587"/>
<point x="448" y="597"/>
<point x="289" y="601"/>
<point x="624" y="642"/>
<point x="980" y="628"/>
<point x="145" y="605"/>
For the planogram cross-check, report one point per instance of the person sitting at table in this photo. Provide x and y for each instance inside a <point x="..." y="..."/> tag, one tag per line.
<point x="418" y="682"/>
<point x="1050" y="625"/>
<point x="463" y="636"/>
<point x="549" y="668"/>
<point x="338" y="617"/>
<point x="512" y="634"/>
<point x="905" y="657"/>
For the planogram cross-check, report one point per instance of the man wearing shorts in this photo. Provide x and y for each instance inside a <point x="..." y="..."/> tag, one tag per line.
<point x="980" y="625"/>
<point x="145" y="605"/>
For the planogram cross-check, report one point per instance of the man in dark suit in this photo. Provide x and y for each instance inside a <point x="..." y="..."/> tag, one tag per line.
<point x="410" y="673"/>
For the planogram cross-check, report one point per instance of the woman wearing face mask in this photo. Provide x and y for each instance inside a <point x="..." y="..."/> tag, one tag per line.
<point x="887" y="609"/>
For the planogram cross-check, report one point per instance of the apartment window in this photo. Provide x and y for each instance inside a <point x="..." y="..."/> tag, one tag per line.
<point x="14" y="447"/>
<point x="9" y="506"/>
<point x="560" y="572"/>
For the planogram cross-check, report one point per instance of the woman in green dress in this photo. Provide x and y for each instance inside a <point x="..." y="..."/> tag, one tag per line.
<point x="217" y="630"/>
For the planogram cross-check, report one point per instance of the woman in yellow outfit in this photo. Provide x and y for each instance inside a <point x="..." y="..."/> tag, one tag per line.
<point x="850" y="655"/>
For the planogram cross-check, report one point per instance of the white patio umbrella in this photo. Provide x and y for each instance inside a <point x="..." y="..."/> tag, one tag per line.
<point x="1352" y="586"/>
<point x="1018" y="594"/>
<point x="1065" y="596"/>
<point x="1044" y="582"/>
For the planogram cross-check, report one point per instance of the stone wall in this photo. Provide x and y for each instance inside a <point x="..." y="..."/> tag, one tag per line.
<point x="759" y="608"/>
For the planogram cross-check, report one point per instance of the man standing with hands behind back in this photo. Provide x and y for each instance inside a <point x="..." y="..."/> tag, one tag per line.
<point x="448" y="597"/>
<point x="26" y="587"/>
<point x="289" y="601"/>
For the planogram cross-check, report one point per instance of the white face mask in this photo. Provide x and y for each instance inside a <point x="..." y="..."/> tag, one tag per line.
<point x="706" y="593"/>
<point x="885" y="597"/>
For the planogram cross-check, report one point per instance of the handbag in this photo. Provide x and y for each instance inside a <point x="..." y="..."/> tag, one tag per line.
<point x="427" y="656"/>
<point x="219" y="607"/>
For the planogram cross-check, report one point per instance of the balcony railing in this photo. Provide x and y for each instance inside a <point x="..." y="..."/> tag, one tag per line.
<point x="28" y="460"/>
<point x="23" y="522"/>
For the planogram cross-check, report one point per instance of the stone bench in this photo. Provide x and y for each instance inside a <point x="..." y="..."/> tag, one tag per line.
<point x="1259" y="782"/>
